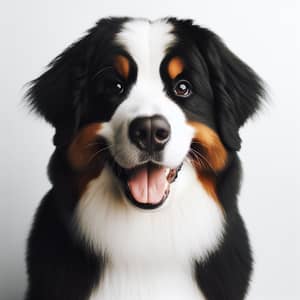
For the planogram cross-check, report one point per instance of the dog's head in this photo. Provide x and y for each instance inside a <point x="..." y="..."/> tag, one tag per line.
<point x="147" y="96"/>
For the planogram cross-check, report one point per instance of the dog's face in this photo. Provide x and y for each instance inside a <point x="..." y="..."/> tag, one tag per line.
<point x="147" y="96"/>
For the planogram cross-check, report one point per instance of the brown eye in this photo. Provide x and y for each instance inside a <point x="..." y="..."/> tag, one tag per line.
<point x="183" y="89"/>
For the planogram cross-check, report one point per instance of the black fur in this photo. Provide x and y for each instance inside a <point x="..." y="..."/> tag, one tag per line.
<point x="60" y="265"/>
<point x="60" y="94"/>
<point x="237" y="90"/>
<point x="226" y="274"/>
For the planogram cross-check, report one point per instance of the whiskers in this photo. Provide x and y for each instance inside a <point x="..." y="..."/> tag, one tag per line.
<point x="102" y="150"/>
<point x="94" y="144"/>
<point x="197" y="158"/>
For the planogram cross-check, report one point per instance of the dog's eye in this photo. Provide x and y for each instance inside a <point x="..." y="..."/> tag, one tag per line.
<point x="183" y="89"/>
<point x="119" y="88"/>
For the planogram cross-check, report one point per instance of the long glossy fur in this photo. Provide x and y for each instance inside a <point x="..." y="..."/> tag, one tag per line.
<point x="61" y="263"/>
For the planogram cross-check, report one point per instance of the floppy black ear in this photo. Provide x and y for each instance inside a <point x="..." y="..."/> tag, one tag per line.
<point x="237" y="89"/>
<point x="58" y="93"/>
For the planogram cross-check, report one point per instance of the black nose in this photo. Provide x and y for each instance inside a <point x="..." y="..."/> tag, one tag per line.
<point x="150" y="133"/>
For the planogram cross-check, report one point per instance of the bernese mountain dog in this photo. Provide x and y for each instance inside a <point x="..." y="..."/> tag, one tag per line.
<point x="145" y="173"/>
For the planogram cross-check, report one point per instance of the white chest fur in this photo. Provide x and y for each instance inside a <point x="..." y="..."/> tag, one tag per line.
<point x="150" y="254"/>
<point x="150" y="282"/>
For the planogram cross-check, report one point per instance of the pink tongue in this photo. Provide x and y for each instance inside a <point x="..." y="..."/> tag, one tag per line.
<point x="148" y="184"/>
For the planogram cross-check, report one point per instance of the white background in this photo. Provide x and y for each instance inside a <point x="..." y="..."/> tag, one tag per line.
<point x="263" y="33"/>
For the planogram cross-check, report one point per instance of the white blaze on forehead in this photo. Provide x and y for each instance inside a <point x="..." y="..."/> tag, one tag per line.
<point x="147" y="43"/>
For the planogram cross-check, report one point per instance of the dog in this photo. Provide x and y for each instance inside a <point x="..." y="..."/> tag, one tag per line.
<point x="145" y="173"/>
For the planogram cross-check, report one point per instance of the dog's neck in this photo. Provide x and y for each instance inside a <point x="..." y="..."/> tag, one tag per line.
<point x="145" y="251"/>
<point x="187" y="226"/>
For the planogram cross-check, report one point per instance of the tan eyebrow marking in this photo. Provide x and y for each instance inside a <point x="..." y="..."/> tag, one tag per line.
<point x="122" y="65"/>
<point x="175" y="67"/>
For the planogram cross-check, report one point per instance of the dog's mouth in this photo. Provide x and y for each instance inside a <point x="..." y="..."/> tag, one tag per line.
<point x="147" y="186"/>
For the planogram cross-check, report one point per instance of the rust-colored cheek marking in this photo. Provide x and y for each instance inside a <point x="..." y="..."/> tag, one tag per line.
<point x="84" y="156"/>
<point x="122" y="65"/>
<point x="175" y="67"/>
<point x="208" y="156"/>
<point x="82" y="148"/>
<point x="207" y="142"/>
